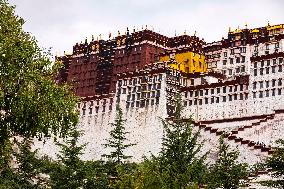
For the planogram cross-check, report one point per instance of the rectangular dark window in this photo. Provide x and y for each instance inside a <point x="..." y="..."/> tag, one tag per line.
<point x="206" y="91"/>
<point x="254" y="85"/>
<point x="230" y="98"/>
<point x="243" y="59"/>
<point x="206" y="100"/>
<point x="279" y="82"/>
<point x="267" y="70"/>
<point x="255" y="72"/>
<point x="267" y="93"/>
<point x="238" y="60"/>
<point x="241" y="96"/>
<point x="273" y="82"/>
<point x="224" y="98"/>
<point x="217" y="99"/>
<point x="261" y="71"/>
<point x="261" y="84"/>
<point x="260" y="94"/>
<point x="279" y="91"/>
<point x="224" y="89"/>
<point x="273" y="92"/>
<point x="280" y="68"/>
<point x="196" y="93"/>
<point x="212" y="91"/>
<point x="262" y="63"/>
<point x="267" y="84"/>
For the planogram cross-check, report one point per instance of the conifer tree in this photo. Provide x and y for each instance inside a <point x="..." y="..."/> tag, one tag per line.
<point x="68" y="172"/>
<point x="181" y="163"/>
<point x="71" y="172"/>
<point x="276" y="164"/>
<point x="227" y="173"/>
<point x="117" y="140"/>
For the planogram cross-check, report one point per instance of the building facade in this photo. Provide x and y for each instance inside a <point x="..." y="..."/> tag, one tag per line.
<point x="233" y="86"/>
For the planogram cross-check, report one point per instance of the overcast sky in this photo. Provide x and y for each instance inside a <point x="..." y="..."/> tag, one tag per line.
<point x="61" y="23"/>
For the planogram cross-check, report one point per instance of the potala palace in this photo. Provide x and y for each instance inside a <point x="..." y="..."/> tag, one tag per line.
<point x="232" y="86"/>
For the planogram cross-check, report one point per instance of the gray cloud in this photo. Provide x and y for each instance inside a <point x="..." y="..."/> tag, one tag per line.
<point x="61" y="23"/>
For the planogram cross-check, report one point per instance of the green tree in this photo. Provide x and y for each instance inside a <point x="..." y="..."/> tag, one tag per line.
<point x="117" y="140"/>
<point x="69" y="171"/>
<point x="181" y="163"/>
<point x="227" y="173"/>
<point x="32" y="104"/>
<point x="276" y="164"/>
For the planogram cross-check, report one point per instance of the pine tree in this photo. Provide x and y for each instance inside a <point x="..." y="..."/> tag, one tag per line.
<point x="227" y="173"/>
<point x="181" y="164"/>
<point x="276" y="164"/>
<point x="69" y="172"/>
<point x="117" y="139"/>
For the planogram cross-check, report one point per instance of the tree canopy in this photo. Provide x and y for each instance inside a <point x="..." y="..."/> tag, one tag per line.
<point x="31" y="102"/>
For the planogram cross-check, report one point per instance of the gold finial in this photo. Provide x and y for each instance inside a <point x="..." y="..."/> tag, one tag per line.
<point x="195" y="33"/>
<point x="184" y="32"/>
<point x="229" y="29"/>
<point x="118" y="33"/>
<point x="268" y="24"/>
<point x="246" y="25"/>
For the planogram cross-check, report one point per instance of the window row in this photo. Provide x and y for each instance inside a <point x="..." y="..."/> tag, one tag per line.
<point x="139" y="80"/>
<point x="95" y="109"/>
<point x="268" y="62"/>
<point x="240" y="69"/>
<point x="268" y="70"/>
<point x="143" y="95"/>
<point x="241" y="59"/>
<point x="143" y="103"/>
<point x="267" y="93"/>
<point x="135" y="89"/>
<point x="212" y="100"/>
<point x="267" y="84"/>
<point x="218" y="90"/>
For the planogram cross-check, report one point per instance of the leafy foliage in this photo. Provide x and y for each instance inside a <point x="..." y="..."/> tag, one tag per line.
<point x="72" y="172"/>
<point x="31" y="102"/>
<point x="276" y="164"/>
<point x="180" y="162"/>
<point x="227" y="172"/>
